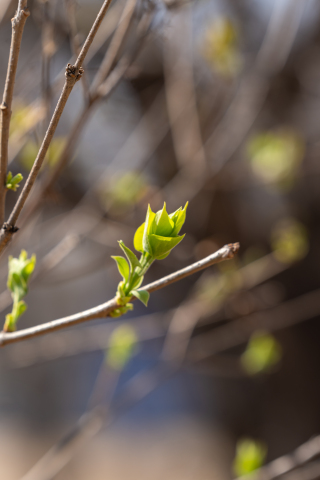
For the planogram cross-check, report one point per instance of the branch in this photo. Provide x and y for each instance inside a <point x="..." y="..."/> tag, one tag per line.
<point x="225" y="253"/>
<point x="102" y="91"/>
<point x="18" y="23"/>
<point x="73" y="73"/>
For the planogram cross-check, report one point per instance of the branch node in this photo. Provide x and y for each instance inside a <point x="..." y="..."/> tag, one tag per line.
<point x="232" y="250"/>
<point x="3" y="106"/>
<point x="71" y="71"/>
<point x="9" y="228"/>
<point x="26" y="11"/>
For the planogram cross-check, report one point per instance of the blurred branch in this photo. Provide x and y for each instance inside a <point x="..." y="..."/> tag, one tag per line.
<point x="225" y="253"/>
<point x="73" y="73"/>
<point x="18" y="23"/>
<point x="239" y="331"/>
<point x="75" y="43"/>
<point x="247" y="102"/>
<point x="93" y="421"/>
<point x="180" y="93"/>
<point x="109" y="80"/>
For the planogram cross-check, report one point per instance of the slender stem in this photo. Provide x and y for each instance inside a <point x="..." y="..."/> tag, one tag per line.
<point x="18" y="23"/>
<point x="72" y="74"/>
<point x="225" y="253"/>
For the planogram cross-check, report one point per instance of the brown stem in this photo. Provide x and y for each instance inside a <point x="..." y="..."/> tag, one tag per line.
<point x="18" y="23"/>
<point x="225" y="253"/>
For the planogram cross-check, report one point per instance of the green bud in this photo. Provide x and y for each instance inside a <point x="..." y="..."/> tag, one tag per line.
<point x="12" y="183"/>
<point x="159" y="234"/>
<point x="122" y="344"/>
<point x="20" y="270"/>
<point x="155" y="239"/>
<point x="250" y="456"/>
<point x="262" y="354"/>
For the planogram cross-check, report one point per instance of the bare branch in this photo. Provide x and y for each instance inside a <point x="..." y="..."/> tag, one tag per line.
<point x="18" y="23"/>
<point x="225" y="253"/>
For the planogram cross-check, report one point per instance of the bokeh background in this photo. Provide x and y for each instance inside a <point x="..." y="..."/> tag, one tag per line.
<point x="220" y="106"/>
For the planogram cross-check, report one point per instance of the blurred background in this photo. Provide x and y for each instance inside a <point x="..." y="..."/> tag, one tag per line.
<point x="212" y="102"/>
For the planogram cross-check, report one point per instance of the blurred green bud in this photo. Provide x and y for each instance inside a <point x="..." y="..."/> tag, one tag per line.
<point x="12" y="183"/>
<point x="263" y="352"/>
<point x="221" y="47"/>
<point x="123" y="191"/>
<point x="289" y="240"/>
<point x="122" y="344"/>
<point x="30" y="151"/>
<point x="276" y="157"/>
<point x="250" y="455"/>
<point x="20" y="270"/>
<point x="159" y="234"/>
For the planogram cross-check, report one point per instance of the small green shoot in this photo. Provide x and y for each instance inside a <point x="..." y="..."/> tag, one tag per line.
<point x="154" y="239"/>
<point x="20" y="270"/>
<point x="12" y="183"/>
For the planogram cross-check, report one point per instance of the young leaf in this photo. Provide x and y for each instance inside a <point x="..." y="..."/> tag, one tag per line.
<point x="123" y="267"/>
<point x="142" y="295"/>
<point x="163" y="223"/>
<point x="133" y="261"/>
<point x="148" y="229"/>
<point x="179" y="218"/>
<point x="137" y="283"/>
<point x="162" y="245"/>
<point x="138" y="236"/>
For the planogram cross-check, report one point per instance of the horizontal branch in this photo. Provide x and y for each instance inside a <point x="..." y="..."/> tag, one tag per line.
<point x="104" y="310"/>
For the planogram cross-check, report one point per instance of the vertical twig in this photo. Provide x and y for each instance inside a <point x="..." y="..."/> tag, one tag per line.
<point x="18" y="23"/>
<point x="73" y="73"/>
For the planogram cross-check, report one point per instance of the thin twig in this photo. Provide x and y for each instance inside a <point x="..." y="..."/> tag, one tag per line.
<point x="18" y="23"/>
<point x="225" y="253"/>
<point x="115" y="45"/>
<point x="73" y="73"/>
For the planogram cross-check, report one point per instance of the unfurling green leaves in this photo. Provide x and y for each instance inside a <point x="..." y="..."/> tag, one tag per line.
<point x="159" y="234"/>
<point x="12" y="183"/>
<point x="123" y="267"/>
<point x="154" y="239"/>
<point x="250" y="456"/>
<point x="20" y="270"/>
<point x="122" y="343"/>
<point x="133" y="261"/>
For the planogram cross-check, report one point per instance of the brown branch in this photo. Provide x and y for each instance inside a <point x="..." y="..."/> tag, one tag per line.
<point x="225" y="253"/>
<point x="18" y="23"/>
<point x="73" y="73"/>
